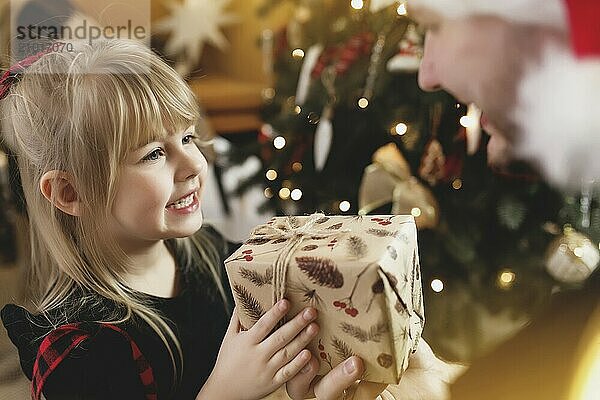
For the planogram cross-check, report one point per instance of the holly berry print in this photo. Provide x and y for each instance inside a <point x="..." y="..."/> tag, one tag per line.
<point x="346" y="306"/>
<point x="248" y="255"/>
<point x="383" y="221"/>
<point x="346" y="302"/>
<point x="325" y="356"/>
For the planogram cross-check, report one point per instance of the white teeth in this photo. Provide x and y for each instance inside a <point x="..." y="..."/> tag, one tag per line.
<point x="183" y="202"/>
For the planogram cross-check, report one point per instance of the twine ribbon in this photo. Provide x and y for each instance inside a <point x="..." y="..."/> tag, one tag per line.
<point x="295" y="234"/>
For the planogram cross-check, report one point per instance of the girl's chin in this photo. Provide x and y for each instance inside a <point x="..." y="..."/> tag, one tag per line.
<point x="187" y="228"/>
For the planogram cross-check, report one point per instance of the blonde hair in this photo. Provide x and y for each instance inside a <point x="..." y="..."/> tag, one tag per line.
<point x="82" y="112"/>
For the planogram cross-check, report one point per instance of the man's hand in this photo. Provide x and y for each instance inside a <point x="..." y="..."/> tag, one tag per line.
<point x="427" y="378"/>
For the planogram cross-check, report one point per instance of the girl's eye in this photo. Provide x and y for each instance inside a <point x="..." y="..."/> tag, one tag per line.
<point x="187" y="139"/>
<point x="154" y="155"/>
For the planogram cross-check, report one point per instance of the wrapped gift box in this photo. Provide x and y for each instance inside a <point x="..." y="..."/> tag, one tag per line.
<point x="361" y="272"/>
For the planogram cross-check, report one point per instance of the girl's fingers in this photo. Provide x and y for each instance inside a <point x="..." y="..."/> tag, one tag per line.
<point x="284" y="335"/>
<point x="268" y="322"/>
<point x="234" y="323"/>
<point x="291" y="369"/>
<point x="343" y="376"/>
<point x="283" y="356"/>
<point x="299" y="387"/>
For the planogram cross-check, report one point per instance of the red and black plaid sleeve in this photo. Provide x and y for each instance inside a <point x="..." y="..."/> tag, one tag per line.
<point x="59" y="344"/>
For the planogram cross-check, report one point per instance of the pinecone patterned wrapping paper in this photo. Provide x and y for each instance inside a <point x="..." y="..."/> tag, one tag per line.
<point x="362" y="273"/>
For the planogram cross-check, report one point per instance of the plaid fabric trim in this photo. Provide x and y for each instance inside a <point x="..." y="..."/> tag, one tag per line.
<point x="59" y="343"/>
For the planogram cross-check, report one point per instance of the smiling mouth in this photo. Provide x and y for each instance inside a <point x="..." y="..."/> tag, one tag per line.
<point x="183" y="202"/>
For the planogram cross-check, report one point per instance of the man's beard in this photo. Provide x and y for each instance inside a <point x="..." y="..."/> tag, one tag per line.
<point x="557" y="118"/>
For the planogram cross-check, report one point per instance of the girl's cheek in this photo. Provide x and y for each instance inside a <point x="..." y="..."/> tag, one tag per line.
<point x="201" y="191"/>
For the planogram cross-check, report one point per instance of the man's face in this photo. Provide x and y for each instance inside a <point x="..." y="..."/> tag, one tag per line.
<point x="478" y="60"/>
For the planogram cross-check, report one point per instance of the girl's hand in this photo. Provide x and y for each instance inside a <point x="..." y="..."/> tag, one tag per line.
<point x="254" y="363"/>
<point x="339" y="383"/>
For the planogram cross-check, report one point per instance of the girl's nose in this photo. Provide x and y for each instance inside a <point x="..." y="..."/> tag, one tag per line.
<point x="191" y="165"/>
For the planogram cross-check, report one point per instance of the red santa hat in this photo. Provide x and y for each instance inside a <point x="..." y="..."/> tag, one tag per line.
<point x="584" y="17"/>
<point x="580" y="16"/>
<point x="526" y="11"/>
<point x="559" y="97"/>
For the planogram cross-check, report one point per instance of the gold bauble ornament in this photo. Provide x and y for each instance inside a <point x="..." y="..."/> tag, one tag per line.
<point x="572" y="257"/>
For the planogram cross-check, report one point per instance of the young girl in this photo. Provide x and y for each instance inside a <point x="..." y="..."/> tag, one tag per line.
<point x="129" y="300"/>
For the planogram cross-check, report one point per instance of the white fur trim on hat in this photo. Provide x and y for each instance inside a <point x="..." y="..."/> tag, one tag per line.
<point x="547" y="12"/>
<point x="558" y="112"/>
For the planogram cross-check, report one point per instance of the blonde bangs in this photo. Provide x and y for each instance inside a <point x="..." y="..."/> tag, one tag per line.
<point x="155" y="108"/>
<point x="135" y="109"/>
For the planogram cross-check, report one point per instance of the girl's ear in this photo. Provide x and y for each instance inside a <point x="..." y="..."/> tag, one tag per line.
<point x="59" y="188"/>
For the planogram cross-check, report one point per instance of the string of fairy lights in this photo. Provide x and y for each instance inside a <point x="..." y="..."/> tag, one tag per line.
<point x="289" y="191"/>
<point x="400" y="128"/>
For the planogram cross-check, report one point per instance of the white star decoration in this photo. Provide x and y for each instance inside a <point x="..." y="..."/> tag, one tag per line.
<point x="191" y="25"/>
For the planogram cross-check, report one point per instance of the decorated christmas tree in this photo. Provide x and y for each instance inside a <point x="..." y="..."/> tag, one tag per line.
<point x="348" y="131"/>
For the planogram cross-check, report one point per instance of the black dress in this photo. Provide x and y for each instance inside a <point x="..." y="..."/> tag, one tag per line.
<point x="102" y="367"/>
